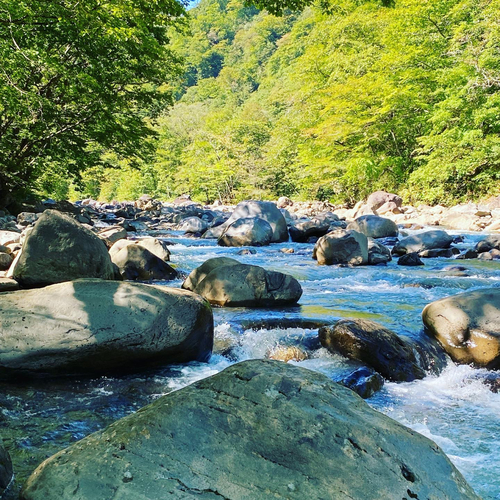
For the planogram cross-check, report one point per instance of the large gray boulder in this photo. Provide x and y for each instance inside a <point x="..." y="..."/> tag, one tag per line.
<point x="380" y="198"/>
<point x="248" y="231"/>
<point x="468" y="326"/>
<point x="258" y="430"/>
<point x="263" y="210"/>
<point x="423" y="241"/>
<point x="96" y="326"/>
<point x="226" y="282"/>
<point x="137" y="263"/>
<point x="371" y="343"/>
<point x="60" y="249"/>
<point x="492" y="241"/>
<point x="378" y="253"/>
<point x="301" y="231"/>
<point x="374" y="226"/>
<point x="342" y="247"/>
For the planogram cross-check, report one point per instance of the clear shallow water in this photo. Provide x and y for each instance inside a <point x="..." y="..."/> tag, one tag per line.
<point x="456" y="409"/>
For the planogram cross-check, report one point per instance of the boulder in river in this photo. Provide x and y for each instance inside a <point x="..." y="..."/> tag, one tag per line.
<point x="226" y="282"/>
<point x="247" y="231"/>
<point x="489" y="243"/>
<point x="468" y="326"/>
<point x="374" y="226"/>
<point x="258" y="430"/>
<point x="364" y="382"/>
<point x="97" y="326"/>
<point x="60" y="249"/>
<point x="374" y="345"/>
<point x="410" y="259"/>
<point x="137" y="263"/>
<point x="342" y="247"/>
<point x="378" y="253"/>
<point x="301" y="231"/>
<point x="263" y="210"/>
<point x="427" y="240"/>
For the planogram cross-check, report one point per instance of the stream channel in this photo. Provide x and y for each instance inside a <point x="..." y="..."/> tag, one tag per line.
<point x="455" y="409"/>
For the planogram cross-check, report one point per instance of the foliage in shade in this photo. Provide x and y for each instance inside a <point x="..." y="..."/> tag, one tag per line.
<point x="76" y="79"/>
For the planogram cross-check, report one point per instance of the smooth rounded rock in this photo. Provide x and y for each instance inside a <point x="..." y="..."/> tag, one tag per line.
<point x="374" y="226"/>
<point x="342" y="247"/>
<point x="241" y="285"/>
<point x="60" y="249"/>
<point x="378" y="253"/>
<point x="467" y="325"/>
<point x="138" y="263"/>
<point x="97" y="326"/>
<point x="248" y="231"/>
<point x="258" y="430"/>
<point x="374" y="345"/>
<point x="423" y="241"/>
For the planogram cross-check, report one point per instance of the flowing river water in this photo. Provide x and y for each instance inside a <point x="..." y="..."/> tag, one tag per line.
<point x="455" y="409"/>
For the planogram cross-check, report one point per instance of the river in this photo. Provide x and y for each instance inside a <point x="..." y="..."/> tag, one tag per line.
<point x="455" y="409"/>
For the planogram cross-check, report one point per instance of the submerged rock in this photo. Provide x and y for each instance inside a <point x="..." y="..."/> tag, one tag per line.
<point x="96" y="326"/>
<point x="364" y="382"/>
<point x="258" y="430"/>
<point x="60" y="249"/>
<point x="371" y="343"/>
<point x="226" y="282"/>
<point x="410" y="259"/>
<point x="467" y="325"/>
<point x="342" y="247"/>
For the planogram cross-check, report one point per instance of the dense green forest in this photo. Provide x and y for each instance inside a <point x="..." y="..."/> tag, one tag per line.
<point x="332" y="101"/>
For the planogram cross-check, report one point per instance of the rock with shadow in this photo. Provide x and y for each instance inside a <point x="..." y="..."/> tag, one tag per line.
<point x="97" y="326"/>
<point x="247" y="231"/>
<point x="427" y="240"/>
<point x="373" y="345"/>
<point x="60" y="249"/>
<point x="342" y="247"/>
<point x="137" y="263"/>
<point x="467" y="325"/>
<point x="258" y="430"/>
<point x="227" y="282"/>
<point x="373" y="226"/>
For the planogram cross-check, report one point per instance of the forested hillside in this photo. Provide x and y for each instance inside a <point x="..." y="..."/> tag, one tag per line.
<point x="331" y="102"/>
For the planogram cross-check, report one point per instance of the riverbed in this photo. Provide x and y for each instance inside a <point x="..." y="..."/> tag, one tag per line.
<point x="455" y="409"/>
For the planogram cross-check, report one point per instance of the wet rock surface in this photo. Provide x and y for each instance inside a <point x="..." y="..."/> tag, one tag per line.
<point x="257" y="430"/>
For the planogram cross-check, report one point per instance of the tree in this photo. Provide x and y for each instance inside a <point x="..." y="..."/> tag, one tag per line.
<point x="78" y="78"/>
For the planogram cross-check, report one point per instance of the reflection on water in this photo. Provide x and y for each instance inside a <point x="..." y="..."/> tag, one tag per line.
<point x="455" y="409"/>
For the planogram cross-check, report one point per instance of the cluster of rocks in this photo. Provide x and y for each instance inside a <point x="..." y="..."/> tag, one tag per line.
<point x="74" y="314"/>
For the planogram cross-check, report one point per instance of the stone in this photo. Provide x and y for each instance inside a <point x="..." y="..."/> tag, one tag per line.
<point x="468" y="254"/>
<point x="247" y="231"/>
<point x="373" y="345"/>
<point x="389" y="207"/>
<point x="374" y="226"/>
<point x="8" y="237"/>
<point x="111" y="235"/>
<point x="258" y="430"/>
<point x="193" y="225"/>
<point x="138" y="263"/>
<point x="263" y="210"/>
<point x="467" y="325"/>
<point x="379" y="198"/>
<point x="427" y="240"/>
<point x="5" y="261"/>
<point x="5" y="469"/>
<point x="410" y="259"/>
<point x="342" y="247"/>
<point x="287" y="353"/>
<point x="156" y="247"/>
<point x="8" y="285"/>
<point x="116" y="247"/>
<point x="447" y="253"/>
<point x="60" y="249"/>
<point x="97" y="326"/>
<point x="300" y="232"/>
<point x="491" y="241"/>
<point x="226" y="282"/>
<point x="26" y="218"/>
<point x="284" y="202"/>
<point x="378" y="253"/>
<point x="364" y="382"/>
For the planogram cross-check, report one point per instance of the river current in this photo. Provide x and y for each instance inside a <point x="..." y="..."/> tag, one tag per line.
<point x="455" y="409"/>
